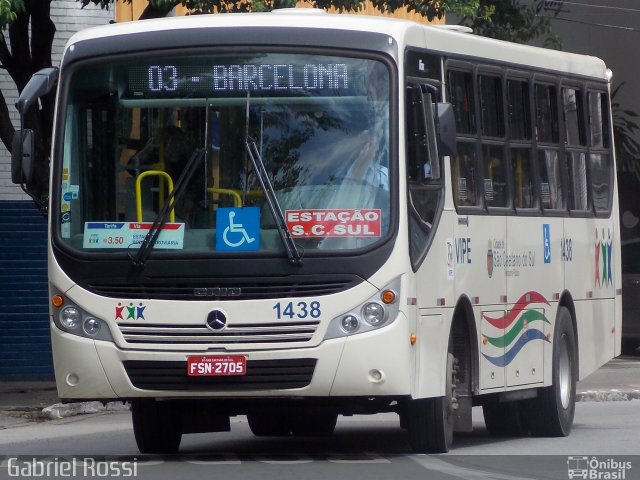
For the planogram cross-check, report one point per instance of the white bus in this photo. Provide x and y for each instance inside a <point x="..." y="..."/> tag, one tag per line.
<point x="296" y="215"/>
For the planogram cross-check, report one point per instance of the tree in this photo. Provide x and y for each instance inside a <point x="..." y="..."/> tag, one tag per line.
<point x="31" y="33"/>
<point x="516" y="22"/>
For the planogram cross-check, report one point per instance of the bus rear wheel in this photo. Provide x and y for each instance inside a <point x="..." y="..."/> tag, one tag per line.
<point x="551" y="413"/>
<point x="157" y="426"/>
<point x="430" y="420"/>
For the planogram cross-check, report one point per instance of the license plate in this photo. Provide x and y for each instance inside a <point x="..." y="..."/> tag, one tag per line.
<point x="217" y="366"/>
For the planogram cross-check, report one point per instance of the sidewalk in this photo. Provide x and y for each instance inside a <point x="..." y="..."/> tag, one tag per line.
<point x="25" y="402"/>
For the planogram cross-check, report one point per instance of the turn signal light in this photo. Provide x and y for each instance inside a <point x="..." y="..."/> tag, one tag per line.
<point x="388" y="297"/>
<point x="57" y="300"/>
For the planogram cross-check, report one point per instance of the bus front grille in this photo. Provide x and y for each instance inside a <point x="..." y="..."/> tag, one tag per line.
<point x="261" y="375"/>
<point x="237" y="334"/>
<point x="223" y="289"/>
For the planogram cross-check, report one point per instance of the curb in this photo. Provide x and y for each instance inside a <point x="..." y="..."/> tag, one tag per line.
<point x="608" y="396"/>
<point x="65" y="410"/>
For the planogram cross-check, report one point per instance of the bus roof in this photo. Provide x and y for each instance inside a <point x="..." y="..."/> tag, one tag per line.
<point x="440" y="39"/>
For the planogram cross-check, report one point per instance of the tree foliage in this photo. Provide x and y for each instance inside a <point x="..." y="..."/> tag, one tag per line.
<point x="516" y="22"/>
<point x="429" y="9"/>
<point x="28" y="49"/>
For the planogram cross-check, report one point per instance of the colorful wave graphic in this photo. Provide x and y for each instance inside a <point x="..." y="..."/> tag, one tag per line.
<point x="519" y="318"/>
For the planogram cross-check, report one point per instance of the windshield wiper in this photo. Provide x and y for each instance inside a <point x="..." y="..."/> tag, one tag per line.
<point x="139" y="259"/>
<point x="274" y="206"/>
<point x="293" y="254"/>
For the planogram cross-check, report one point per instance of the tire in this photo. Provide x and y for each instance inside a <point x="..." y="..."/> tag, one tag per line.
<point x="310" y="424"/>
<point x="430" y="420"/>
<point x="551" y="413"/>
<point x="504" y="419"/>
<point x="157" y="426"/>
<point x="269" y="424"/>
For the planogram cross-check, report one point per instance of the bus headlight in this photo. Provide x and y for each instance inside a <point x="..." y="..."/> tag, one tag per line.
<point x="91" y="326"/>
<point x="70" y="318"/>
<point x="350" y="323"/>
<point x="374" y="314"/>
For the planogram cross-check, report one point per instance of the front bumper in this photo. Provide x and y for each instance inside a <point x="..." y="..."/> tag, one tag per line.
<point x="370" y="364"/>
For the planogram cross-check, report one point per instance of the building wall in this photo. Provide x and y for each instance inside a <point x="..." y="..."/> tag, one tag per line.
<point x="69" y="17"/>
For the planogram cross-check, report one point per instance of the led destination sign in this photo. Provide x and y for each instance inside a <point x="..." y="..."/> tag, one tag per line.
<point x="267" y="74"/>
<point x="168" y="79"/>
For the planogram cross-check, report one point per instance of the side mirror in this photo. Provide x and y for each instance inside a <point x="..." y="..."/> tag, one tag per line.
<point x="446" y="129"/>
<point x="41" y="83"/>
<point x="22" y="151"/>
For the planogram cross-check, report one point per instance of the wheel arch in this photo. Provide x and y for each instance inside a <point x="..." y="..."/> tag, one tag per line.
<point x="464" y="341"/>
<point x="566" y="300"/>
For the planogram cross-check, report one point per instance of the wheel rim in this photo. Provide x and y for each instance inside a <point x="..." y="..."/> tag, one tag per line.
<point x="564" y="373"/>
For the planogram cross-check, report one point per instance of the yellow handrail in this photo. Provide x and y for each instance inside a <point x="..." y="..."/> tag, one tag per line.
<point x="237" y="199"/>
<point x="153" y="173"/>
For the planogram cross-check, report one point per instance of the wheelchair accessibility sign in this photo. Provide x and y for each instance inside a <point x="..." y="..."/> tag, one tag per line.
<point x="238" y="229"/>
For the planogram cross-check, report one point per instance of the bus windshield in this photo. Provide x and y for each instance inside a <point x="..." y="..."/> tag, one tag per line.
<point x="320" y="125"/>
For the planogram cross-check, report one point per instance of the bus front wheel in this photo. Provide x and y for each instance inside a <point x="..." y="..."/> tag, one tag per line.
<point x="430" y="420"/>
<point x="156" y="426"/>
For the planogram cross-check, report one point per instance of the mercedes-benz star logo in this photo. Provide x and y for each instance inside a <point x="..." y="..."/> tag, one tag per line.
<point x="216" y="320"/>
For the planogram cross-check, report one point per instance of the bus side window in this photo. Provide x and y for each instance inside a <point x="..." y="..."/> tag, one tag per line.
<point x="464" y="175"/>
<point x="522" y="168"/>
<point x="547" y="123"/>
<point x="551" y="188"/>
<point x="600" y="159"/>
<point x="464" y="164"/>
<point x="496" y="186"/>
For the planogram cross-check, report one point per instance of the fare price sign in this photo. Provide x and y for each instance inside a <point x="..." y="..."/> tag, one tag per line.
<point x="334" y="223"/>
<point x="130" y="235"/>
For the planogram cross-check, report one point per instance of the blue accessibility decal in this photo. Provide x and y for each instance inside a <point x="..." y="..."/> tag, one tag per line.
<point x="238" y="229"/>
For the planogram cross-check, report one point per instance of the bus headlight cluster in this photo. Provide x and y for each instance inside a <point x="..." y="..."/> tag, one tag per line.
<point x="374" y="314"/>
<point x="70" y="318"/>
<point x="73" y="320"/>
<point x="377" y="312"/>
<point x="350" y="323"/>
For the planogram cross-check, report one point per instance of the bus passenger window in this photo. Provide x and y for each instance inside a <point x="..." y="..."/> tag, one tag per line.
<point x="464" y="175"/>
<point x="577" y="165"/>
<point x="518" y="110"/>
<point x="573" y="116"/>
<point x="496" y="187"/>
<point x="462" y="99"/>
<point x="601" y="180"/>
<point x="598" y="120"/>
<point x="551" y="188"/>
<point x="546" y="114"/>
<point x="492" y="112"/>
<point x="522" y="166"/>
<point x="600" y="159"/>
